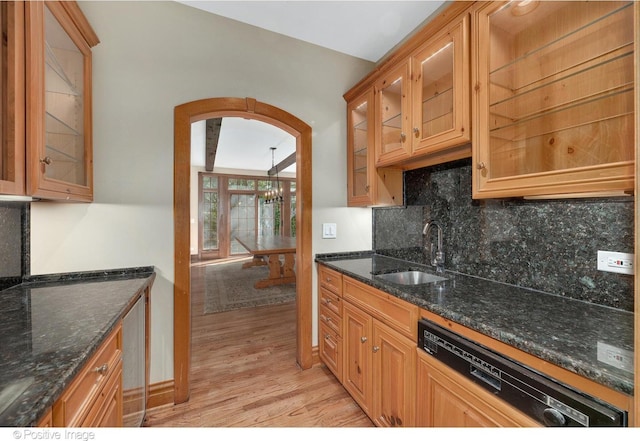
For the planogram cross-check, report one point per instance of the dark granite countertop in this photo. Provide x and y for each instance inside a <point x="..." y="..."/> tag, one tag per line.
<point x="49" y="327"/>
<point x="560" y="330"/>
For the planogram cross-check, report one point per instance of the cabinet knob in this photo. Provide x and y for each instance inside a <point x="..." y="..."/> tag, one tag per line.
<point x="327" y="337"/>
<point x="416" y="131"/>
<point x="403" y="136"/>
<point x="363" y="339"/>
<point x="46" y="160"/>
<point x="376" y="348"/>
<point x="481" y="166"/>
<point x="102" y="369"/>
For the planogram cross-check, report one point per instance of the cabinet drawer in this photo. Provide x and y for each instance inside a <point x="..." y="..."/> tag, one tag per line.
<point x="400" y="315"/>
<point x="330" y="301"/>
<point x="107" y="409"/>
<point x="74" y="404"/>
<point x="330" y="279"/>
<point x="331" y="319"/>
<point x="331" y="350"/>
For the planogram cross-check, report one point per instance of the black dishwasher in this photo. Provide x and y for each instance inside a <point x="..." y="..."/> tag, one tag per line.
<point x="538" y="396"/>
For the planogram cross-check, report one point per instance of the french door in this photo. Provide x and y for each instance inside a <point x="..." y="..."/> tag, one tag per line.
<point x="235" y="205"/>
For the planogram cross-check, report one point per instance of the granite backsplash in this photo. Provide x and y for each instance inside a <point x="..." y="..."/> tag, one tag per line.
<point x="14" y="243"/>
<point x="548" y="245"/>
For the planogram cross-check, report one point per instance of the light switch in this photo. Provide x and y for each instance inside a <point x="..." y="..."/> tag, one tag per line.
<point x="329" y="231"/>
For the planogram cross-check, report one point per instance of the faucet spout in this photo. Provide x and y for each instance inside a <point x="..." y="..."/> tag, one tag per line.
<point x="437" y="252"/>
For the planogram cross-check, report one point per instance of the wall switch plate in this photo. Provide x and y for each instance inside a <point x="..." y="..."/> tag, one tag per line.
<point x="329" y="231"/>
<point x="614" y="356"/>
<point x="615" y="262"/>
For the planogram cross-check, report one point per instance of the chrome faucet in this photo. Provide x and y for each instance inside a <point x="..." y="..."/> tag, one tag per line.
<point x="436" y="252"/>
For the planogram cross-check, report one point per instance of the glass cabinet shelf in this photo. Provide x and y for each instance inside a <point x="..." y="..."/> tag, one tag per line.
<point x="57" y="79"/>
<point x="559" y="104"/>
<point x="568" y="51"/>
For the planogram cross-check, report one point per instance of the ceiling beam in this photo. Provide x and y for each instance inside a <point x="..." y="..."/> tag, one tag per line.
<point x="286" y="162"/>
<point x="212" y="134"/>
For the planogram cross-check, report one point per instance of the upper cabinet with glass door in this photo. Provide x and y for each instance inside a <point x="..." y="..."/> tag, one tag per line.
<point x="393" y="116"/>
<point x="360" y="150"/>
<point x="554" y="98"/>
<point x="59" y="126"/>
<point x="367" y="184"/>
<point x="12" y="93"/>
<point x="440" y="92"/>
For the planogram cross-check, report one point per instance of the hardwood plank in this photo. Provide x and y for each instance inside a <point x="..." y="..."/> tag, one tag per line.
<point x="244" y="374"/>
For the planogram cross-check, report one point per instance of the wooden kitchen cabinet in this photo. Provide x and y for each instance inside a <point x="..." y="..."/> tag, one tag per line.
<point x="394" y="377"/>
<point x="358" y="354"/>
<point x="12" y="99"/>
<point x="440" y="97"/>
<point x="447" y="399"/>
<point x="553" y="102"/>
<point x="368" y="185"/>
<point x="94" y="397"/>
<point x="58" y="105"/>
<point x="379" y="355"/>
<point x="330" y="319"/>
<point x="393" y="112"/>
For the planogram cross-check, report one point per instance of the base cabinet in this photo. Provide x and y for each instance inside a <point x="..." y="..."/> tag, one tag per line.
<point x="447" y="399"/>
<point x="394" y="380"/>
<point x="94" y="398"/>
<point x="379" y="367"/>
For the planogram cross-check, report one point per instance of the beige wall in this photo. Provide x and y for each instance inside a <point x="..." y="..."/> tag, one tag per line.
<point x="152" y="57"/>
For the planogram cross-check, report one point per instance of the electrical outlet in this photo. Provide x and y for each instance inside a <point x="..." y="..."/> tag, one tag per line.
<point x="615" y="262"/>
<point x="614" y="356"/>
<point x="329" y="231"/>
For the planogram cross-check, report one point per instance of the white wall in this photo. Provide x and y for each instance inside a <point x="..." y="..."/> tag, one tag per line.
<point x="152" y="57"/>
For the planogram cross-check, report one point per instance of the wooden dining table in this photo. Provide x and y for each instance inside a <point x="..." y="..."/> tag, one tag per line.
<point x="266" y="250"/>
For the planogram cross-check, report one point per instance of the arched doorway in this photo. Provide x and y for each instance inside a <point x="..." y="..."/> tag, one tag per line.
<point x="184" y="115"/>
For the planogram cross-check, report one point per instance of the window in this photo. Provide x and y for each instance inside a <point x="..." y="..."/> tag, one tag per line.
<point x="209" y="213"/>
<point x="234" y="205"/>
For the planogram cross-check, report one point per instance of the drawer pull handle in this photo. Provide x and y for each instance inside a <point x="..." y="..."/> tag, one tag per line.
<point x="363" y="339"/>
<point x="376" y="348"/>
<point x="102" y="369"/>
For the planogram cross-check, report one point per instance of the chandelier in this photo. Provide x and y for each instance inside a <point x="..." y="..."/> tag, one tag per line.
<point x="273" y="195"/>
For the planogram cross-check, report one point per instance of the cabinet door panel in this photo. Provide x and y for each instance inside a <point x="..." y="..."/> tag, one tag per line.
<point x="357" y="355"/>
<point x="555" y="99"/>
<point x="59" y="114"/>
<point x="393" y="116"/>
<point x="12" y="99"/>
<point x="440" y="96"/>
<point x="394" y="358"/>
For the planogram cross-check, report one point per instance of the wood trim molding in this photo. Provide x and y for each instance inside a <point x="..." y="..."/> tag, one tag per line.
<point x="184" y="115"/>
<point x="160" y="394"/>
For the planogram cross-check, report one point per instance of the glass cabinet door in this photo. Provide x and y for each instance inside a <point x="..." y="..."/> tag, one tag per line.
<point x="12" y="154"/>
<point x="441" y="90"/>
<point x="393" y="117"/>
<point x="360" y="150"/>
<point x="60" y="110"/>
<point x="555" y="97"/>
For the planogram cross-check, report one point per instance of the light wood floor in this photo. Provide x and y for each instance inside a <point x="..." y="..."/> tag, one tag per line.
<point x="244" y="374"/>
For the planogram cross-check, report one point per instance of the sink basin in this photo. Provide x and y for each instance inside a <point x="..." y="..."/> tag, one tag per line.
<point x="411" y="278"/>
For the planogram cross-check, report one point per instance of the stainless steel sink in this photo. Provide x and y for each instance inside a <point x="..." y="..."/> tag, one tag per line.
<point x="411" y="278"/>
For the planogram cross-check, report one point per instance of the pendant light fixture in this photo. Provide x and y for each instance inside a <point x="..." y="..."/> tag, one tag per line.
<point x="273" y="194"/>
